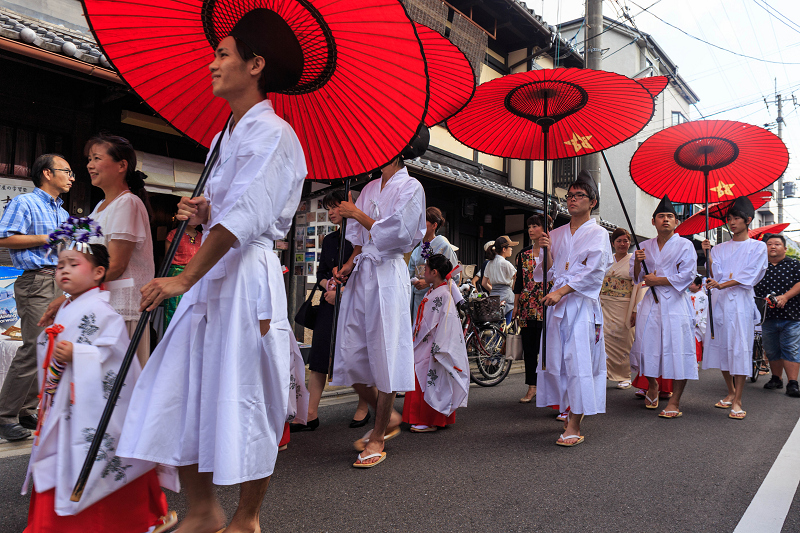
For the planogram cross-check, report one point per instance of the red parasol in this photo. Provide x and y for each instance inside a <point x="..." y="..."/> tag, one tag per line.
<point x="162" y="49"/>
<point x="452" y="80"/>
<point x="654" y="84"/>
<point x="737" y="158"/>
<point x="717" y="213"/>
<point x="757" y="233"/>
<point x="552" y="114"/>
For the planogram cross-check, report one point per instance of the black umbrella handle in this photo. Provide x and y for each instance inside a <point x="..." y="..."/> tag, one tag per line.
<point x="144" y="321"/>
<point x="338" y="286"/>
<point x="628" y="219"/>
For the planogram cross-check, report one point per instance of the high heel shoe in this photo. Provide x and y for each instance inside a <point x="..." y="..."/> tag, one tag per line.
<point x="311" y="425"/>
<point x="360" y="423"/>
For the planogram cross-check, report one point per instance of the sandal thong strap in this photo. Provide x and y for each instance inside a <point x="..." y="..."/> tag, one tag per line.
<point x="370" y="456"/>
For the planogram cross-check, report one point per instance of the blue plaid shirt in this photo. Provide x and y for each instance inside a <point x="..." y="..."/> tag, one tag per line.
<point x="34" y="213"/>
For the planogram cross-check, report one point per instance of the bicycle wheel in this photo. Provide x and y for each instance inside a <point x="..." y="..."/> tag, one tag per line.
<point x="758" y="359"/>
<point x="485" y="350"/>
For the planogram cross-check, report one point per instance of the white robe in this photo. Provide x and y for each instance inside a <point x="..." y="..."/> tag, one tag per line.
<point x="734" y="308"/>
<point x="576" y="358"/>
<point x="440" y="355"/>
<point x="215" y="392"/>
<point x="99" y="340"/>
<point x="664" y="342"/>
<point x="374" y="345"/>
<point x="416" y="266"/>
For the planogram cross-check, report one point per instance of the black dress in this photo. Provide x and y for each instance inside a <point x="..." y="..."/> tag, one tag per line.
<point x="321" y="340"/>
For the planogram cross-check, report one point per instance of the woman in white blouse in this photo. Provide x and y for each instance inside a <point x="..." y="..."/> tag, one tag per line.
<point x="123" y="216"/>
<point x="501" y="273"/>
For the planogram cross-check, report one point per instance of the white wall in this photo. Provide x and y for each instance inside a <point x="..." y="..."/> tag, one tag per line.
<point x="68" y="13"/>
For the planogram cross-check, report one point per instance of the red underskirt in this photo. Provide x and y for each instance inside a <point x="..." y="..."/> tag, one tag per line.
<point x="699" y="349"/>
<point x="285" y="438"/>
<point x="664" y="385"/>
<point x="134" y="508"/>
<point x="417" y="412"/>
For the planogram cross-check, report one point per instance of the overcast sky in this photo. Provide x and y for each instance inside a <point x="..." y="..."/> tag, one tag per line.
<point x="729" y="86"/>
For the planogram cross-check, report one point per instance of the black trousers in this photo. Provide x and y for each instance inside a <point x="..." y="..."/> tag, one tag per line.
<point x="531" y="334"/>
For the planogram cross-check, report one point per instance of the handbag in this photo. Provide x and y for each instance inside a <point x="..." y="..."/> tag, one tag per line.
<point x="514" y="342"/>
<point x="307" y="314"/>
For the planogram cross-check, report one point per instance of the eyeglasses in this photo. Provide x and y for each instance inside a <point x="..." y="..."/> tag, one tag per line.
<point x="69" y="171"/>
<point x="578" y="195"/>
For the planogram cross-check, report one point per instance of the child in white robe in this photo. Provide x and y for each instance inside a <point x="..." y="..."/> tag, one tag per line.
<point x="736" y="267"/>
<point x="441" y="366"/>
<point x="79" y="357"/>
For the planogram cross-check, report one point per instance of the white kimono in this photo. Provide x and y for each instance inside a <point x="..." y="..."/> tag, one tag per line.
<point x="734" y="309"/>
<point x="440" y="355"/>
<point x="215" y="392"/>
<point x="576" y="358"/>
<point x="664" y="342"/>
<point x="416" y="266"/>
<point x="99" y="340"/>
<point x="374" y="345"/>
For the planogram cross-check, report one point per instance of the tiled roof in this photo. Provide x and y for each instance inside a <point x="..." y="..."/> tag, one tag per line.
<point x="51" y="37"/>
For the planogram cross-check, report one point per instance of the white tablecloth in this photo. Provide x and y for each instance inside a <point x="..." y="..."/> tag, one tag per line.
<point x="8" y="349"/>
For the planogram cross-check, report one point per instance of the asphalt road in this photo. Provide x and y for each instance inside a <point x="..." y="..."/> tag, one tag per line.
<point x="498" y="469"/>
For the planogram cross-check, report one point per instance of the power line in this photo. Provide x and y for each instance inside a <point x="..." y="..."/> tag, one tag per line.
<point x="715" y="45"/>
<point x="793" y="26"/>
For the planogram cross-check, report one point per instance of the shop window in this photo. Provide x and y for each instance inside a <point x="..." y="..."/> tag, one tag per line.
<point x="19" y="147"/>
<point x="563" y="172"/>
<point x="678" y="118"/>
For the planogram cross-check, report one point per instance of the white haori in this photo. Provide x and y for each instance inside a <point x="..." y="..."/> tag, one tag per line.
<point x="440" y="354"/>
<point x="576" y="357"/>
<point x="215" y="392"/>
<point x="734" y="308"/>
<point x="374" y="344"/>
<point x="664" y="342"/>
<point x="99" y="340"/>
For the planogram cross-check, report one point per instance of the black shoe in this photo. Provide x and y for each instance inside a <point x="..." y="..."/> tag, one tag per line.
<point x="360" y="423"/>
<point x="29" y="422"/>
<point x="310" y="426"/>
<point x="774" y="383"/>
<point x="12" y="432"/>
<point x="793" y="389"/>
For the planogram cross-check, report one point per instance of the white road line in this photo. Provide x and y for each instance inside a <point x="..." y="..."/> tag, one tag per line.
<point x="769" y="507"/>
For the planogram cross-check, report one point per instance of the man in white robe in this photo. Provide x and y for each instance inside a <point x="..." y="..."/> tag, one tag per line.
<point x="214" y="397"/>
<point x="579" y="254"/>
<point x="736" y="266"/>
<point x="664" y="342"/>
<point x="374" y="344"/>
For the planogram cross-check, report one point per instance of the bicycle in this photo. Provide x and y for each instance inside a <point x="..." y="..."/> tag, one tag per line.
<point x="760" y="362"/>
<point x="485" y="342"/>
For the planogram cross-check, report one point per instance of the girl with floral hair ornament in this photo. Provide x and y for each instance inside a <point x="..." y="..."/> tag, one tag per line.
<point x="79" y="356"/>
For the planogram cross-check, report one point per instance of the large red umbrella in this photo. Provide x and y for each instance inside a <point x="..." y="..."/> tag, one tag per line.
<point x="757" y="233"/>
<point x="362" y="94"/>
<point x="452" y="80"/>
<point x="654" y="84"/>
<point x="552" y="114"/>
<point x="717" y="213"/>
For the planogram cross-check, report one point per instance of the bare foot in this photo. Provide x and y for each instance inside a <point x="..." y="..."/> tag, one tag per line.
<point x="530" y="394"/>
<point x="672" y="409"/>
<point x="729" y="398"/>
<point x="209" y="520"/>
<point x="372" y="447"/>
<point x="251" y="527"/>
<point x="395" y="420"/>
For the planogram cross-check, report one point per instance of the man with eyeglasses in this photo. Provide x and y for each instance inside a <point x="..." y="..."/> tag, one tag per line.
<point x="24" y="228"/>
<point x="578" y="254"/>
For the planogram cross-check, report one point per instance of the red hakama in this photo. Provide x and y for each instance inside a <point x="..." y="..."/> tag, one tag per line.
<point x="134" y="508"/>
<point x="286" y="435"/>
<point x="417" y="412"/>
<point x="664" y="385"/>
<point x="698" y="346"/>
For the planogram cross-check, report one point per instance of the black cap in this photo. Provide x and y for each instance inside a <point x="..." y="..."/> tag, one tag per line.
<point x="665" y="206"/>
<point x="586" y="178"/>
<point x="269" y="36"/>
<point x="418" y="145"/>
<point x="742" y="205"/>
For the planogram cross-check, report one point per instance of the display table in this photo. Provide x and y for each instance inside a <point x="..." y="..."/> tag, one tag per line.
<point x="8" y="350"/>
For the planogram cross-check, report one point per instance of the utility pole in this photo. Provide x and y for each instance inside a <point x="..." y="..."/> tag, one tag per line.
<point x="592" y="45"/>
<point x="779" y="101"/>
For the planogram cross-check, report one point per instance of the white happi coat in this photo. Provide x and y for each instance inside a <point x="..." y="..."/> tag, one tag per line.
<point x="215" y="392"/>
<point x="374" y="344"/>
<point x="440" y="355"/>
<point x="664" y="342"/>
<point x="576" y="358"/>
<point x="99" y="340"/>
<point x="734" y="309"/>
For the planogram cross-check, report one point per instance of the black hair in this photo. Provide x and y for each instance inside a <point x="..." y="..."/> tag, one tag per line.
<point x="120" y="149"/>
<point x="247" y="54"/>
<point x="590" y="192"/>
<point x="42" y="163"/>
<point x="434" y="216"/>
<point x="440" y="264"/>
<point x="769" y="236"/>
<point x="739" y="214"/>
<point x="333" y="198"/>
<point x="698" y="281"/>
<point x="538" y="220"/>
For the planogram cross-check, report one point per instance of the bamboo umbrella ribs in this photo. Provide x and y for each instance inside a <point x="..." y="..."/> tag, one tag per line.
<point x="552" y="114"/>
